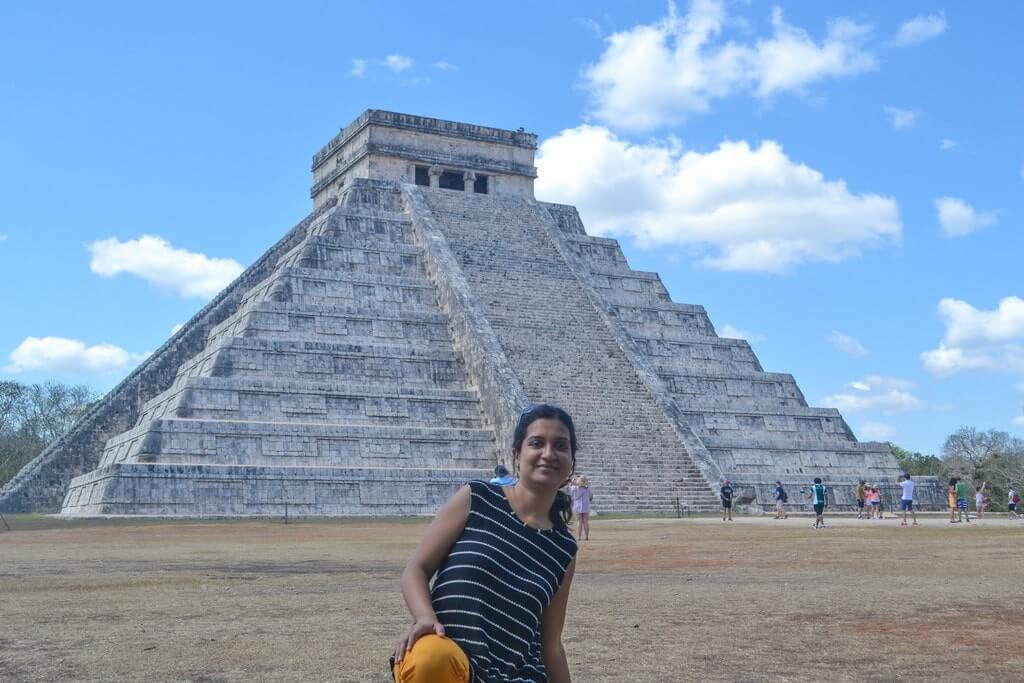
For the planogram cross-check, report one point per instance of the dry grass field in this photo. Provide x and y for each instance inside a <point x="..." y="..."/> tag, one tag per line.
<point x="654" y="600"/>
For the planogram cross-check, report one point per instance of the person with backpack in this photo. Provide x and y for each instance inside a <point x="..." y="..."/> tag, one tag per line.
<point x="725" y="493"/>
<point x="1012" y="499"/>
<point x="780" y="501"/>
<point x="818" y="497"/>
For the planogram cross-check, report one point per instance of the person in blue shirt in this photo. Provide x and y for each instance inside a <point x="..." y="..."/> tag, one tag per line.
<point x="502" y="477"/>
<point x="725" y="493"/>
<point x="780" y="501"/>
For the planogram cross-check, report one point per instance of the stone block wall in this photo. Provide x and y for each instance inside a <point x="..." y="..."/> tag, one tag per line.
<point x="41" y="485"/>
<point x="336" y="375"/>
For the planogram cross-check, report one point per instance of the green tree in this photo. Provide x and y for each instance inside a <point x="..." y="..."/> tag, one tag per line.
<point x="33" y="415"/>
<point x="993" y="458"/>
<point x="919" y="464"/>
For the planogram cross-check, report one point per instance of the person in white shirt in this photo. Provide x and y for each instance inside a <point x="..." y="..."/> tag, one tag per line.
<point x="979" y="500"/>
<point x="907" y="499"/>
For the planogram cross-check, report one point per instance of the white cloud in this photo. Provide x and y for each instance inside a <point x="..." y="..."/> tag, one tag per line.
<point x="967" y="325"/>
<point x="1019" y="421"/>
<point x="398" y="63"/>
<point x="176" y="329"/>
<point x="731" y="332"/>
<point x="978" y="339"/>
<point x="919" y="29"/>
<point x="358" y="68"/>
<point x="901" y="118"/>
<point x="754" y="207"/>
<point x="847" y="344"/>
<point x="959" y="218"/>
<point x="655" y="74"/>
<point x="889" y="395"/>
<point x="3" y="237"/>
<point x="153" y="259"/>
<point x="445" y="66"/>
<point x="946" y="144"/>
<point x="57" y="354"/>
<point x="945" y="360"/>
<point x="1020" y="387"/>
<point x="877" y="431"/>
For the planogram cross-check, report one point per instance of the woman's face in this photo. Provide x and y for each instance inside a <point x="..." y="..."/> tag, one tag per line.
<point x="546" y="455"/>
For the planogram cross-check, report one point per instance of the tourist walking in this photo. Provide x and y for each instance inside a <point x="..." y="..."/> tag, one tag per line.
<point x="907" y="498"/>
<point x="818" y="497"/>
<point x="858" y="493"/>
<point x="979" y="501"/>
<point x="1012" y="499"/>
<point x="781" y="498"/>
<point x="725" y="493"/>
<point x="582" y="498"/>
<point x="502" y="477"/>
<point x="502" y="559"/>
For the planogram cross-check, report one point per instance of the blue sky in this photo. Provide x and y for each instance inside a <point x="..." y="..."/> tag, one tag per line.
<point x="841" y="183"/>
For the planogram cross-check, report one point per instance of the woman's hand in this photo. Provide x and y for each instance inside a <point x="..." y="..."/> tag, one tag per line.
<point x="413" y="633"/>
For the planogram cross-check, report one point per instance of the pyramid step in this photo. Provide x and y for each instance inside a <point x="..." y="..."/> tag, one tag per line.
<point x="284" y="320"/>
<point x="362" y="230"/>
<point x="409" y="364"/>
<point x="333" y="253"/>
<point x="327" y="402"/>
<point x="379" y="292"/>
<point x="306" y="357"/>
<point x="233" y="442"/>
<point x="234" y="490"/>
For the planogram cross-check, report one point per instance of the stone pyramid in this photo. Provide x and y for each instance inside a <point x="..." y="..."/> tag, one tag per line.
<point x="377" y="357"/>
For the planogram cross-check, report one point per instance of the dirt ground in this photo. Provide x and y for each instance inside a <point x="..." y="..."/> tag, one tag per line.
<point x="654" y="600"/>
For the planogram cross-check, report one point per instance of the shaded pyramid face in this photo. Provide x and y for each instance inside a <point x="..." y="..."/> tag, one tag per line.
<point x="334" y="388"/>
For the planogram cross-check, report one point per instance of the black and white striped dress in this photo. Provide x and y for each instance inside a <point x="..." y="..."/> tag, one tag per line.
<point x="495" y="585"/>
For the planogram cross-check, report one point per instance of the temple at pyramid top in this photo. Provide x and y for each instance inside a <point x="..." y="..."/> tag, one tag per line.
<point x="385" y="145"/>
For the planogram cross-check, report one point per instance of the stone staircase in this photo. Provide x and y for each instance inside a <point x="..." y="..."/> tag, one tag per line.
<point x="756" y="425"/>
<point x="562" y="352"/>
<point x="333" y="389"/>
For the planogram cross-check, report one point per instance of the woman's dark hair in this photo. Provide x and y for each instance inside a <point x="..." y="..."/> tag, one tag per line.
<point x="561" y="509"/>
<point x="953" y="481"/>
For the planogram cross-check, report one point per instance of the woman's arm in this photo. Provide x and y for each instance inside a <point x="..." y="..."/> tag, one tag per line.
<point x="441" y="535"/>
<point x="551" y="625"/>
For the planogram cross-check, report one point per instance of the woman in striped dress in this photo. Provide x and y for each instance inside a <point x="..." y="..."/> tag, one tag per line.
<point x="502" y="559"/>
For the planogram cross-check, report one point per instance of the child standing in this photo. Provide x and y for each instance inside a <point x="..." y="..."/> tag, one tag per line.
<point x="979" y="501"/>
<point x="582" y="497"/>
